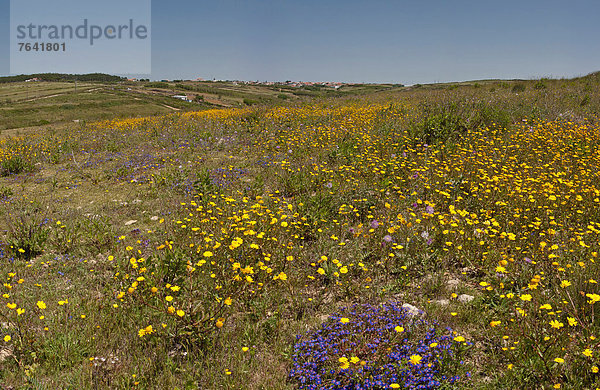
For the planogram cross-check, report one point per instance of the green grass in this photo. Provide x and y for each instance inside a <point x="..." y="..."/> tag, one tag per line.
<point x="16" y="92"/>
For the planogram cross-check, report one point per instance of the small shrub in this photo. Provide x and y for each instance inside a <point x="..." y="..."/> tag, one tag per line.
<point x="15" y="165"/>
<point x="296" y="183"/>
<point x="439" y="124"/>
<point x="204" y="183"/>
<point x="519" y="87"/>
<point x="492" y="116"/>
<point x="585" y="101"/>
<point x="5" y="192"/>
<point x="27" y="237"/>
<point x="157" y="85"/>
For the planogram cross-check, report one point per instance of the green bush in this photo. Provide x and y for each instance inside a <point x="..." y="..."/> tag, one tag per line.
<point x="15" y="165"/>
<point x="5" y="192"/>
<point x="27" y="237"/>
<point x="492" y="116"/>
<point x="157" y="85"/>
<point x="519" y="87"/>
<point x="439" y="124"/>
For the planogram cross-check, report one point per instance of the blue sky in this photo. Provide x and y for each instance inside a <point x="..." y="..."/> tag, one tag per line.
<point x="85" y="55"/>
<point x="371" y="41"/>
<point x="4" y="37"/>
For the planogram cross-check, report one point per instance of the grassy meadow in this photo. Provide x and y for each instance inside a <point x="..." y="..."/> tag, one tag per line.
<point x="273" y="245"/>
<point x="32" y="106"/>
<point x="60" y="104"/>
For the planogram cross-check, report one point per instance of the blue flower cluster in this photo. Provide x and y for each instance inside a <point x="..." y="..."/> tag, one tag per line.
<point x="374" y="347"/>
<point x="226" y="177"/>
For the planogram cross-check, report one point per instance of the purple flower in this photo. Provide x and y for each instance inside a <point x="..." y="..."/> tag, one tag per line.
<point x="329" y="185"/>
<point x="387" y="238"/>
<point x="367" y="329"/>
<point x="374" y="224"/>
<point x="429" y="209"/>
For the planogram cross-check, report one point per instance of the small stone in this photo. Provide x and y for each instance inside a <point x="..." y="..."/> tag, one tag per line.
<point x="412" y="310"/>
<point x="5" y="353"/>
<point x="154" y="218"/>
<point x="328" y="299"/>
<point x="130" y="222"/>
<point x="442" y="302"/>
<point x="464" y="298"/>
<point x="453" y="282"/>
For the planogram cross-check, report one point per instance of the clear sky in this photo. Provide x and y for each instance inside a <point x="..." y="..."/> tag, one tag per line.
<point x="371" y="41"/>
<point x="4" y="37"/>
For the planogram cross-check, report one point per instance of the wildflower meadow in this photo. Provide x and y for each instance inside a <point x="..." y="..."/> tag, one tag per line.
<point x="430" y="239"/>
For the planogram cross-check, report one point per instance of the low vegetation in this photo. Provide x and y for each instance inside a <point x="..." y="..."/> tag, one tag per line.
<point x="441" y="236"/>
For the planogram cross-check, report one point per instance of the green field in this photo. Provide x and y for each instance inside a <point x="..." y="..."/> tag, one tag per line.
<point x="59" y="103"/>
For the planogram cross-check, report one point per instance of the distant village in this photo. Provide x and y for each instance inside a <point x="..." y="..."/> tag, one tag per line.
<point x="331" y="84"/>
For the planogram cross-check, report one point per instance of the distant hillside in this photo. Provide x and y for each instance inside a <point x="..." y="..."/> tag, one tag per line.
<point x="100" y="77"/>
<point x="591" y="76"/>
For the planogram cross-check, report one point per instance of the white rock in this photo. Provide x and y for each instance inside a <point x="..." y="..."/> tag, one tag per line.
<point x="464" y="298"/>
<point x="442" y="302"/>
<point x="131" y="222"/>
<point x="412" y="310"/>
<point x="5" y="353"/>
<point x="154" y="218"/>
<point x="453" y="282"/>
